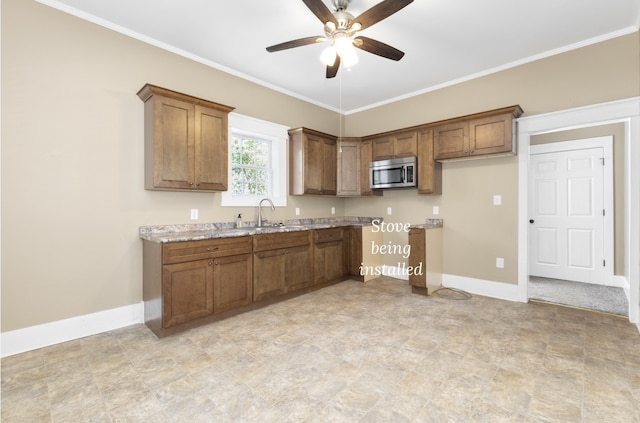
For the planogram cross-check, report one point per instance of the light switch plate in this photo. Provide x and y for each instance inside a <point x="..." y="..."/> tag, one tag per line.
<point x="194" y="214"/>
<point x="499" y="262"/>
<point x="297" y="211"/>
<point x="436" y="210"/>
<point x="497" y="200"/>
<point x="333" y="210"/>
<point x="389" y="211"/>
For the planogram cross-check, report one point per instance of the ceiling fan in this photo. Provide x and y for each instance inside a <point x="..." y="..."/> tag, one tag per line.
<point x="341" y="28"/>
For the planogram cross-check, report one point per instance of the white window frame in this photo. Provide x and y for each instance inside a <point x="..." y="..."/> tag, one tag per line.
<point x="278" y="136"/>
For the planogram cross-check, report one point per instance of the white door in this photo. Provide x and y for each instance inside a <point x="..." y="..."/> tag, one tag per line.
<point x="568" y="214"/>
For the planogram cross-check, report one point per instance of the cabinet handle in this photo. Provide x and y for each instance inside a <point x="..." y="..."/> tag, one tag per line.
<point x="212" y="249"/>
<point x="210" y="264"/>
<point x="190" y="183"/>
<point x="216" y="263"/>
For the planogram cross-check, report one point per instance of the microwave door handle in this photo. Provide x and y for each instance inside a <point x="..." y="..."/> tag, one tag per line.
<point x="404" y="174"/>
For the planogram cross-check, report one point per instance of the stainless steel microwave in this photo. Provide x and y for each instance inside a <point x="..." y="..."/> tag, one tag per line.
<point x="393" y="173"/>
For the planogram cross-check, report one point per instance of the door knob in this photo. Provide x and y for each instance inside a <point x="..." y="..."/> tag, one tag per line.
<point x="531" y="220"/>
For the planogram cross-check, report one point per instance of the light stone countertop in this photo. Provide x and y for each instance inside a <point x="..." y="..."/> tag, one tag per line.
<point x="429" y="224"/>
<point x="202" y="231"/>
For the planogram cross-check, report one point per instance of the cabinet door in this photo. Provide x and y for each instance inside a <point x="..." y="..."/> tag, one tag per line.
<point x="211" y="149"/>
<point x="429" y="171"/>
<point x="329" y="166"/>
<point x="232" y="282"/>
<point x="313" y="161"/>
<point x="451" y="140"/>
<point x="269" y="270"/>
<point x="382" y="148"/>
<point x="366" y="156"/>
<point x="405" y="144"/>
<point x="187" y="292"/>
<point x="299" y="269"/>
<point x="349" y="168"/>
<point x="169" y="164"/>
<point x="491" y="135"/>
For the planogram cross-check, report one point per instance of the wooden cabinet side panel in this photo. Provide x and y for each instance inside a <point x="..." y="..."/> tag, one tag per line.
<point x="211" y="144"/>
<point x="152" y="284"/>
<point x="433" y="258"/>
<point x="232" y="282"/>
<point x="355" y="250"/>
<point x="187" y="292"/>
<point x="417" y="257"/>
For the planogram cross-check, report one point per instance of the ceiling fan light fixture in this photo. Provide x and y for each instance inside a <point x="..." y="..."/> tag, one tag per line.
<point x="345" y="49"/>
<point x="328" y="56"/>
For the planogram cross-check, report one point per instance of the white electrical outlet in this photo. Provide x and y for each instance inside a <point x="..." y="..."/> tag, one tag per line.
<point x="436" y="210"/>
<point x="333" y="210"/>
<point x="499" y="262"/>
<point x="297" y="211"/>
<point x="194" y="214"/>
<point x="497" y="200"/>
<point x="389" y="211"/>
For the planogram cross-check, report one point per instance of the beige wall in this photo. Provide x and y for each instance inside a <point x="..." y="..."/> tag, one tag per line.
<point x="475" y="231"/>
<point x="72" y="155"/>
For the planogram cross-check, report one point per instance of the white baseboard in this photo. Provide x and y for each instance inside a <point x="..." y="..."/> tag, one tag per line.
<point x="621" y="282"/>
<point x="397" y="272"/>
<point x="34" y="337"/>
<point x="500" y="290"/>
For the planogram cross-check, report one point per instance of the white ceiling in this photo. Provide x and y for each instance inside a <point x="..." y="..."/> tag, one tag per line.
<point x="445" y="41"/>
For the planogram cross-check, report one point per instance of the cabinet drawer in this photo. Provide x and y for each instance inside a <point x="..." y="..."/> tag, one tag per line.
<point x="197" y="250"/>
<point x="327" y="235"/>
<point x="264" y="242"/>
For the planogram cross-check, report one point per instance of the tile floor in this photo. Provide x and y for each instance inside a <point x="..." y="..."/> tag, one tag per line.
<point x="352" y="352"/>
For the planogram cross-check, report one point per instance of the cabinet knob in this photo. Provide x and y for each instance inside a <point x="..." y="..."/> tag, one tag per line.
<point x="210" y="264"/>
<point x="216" y="263"/>
<point x="531" y="221"/>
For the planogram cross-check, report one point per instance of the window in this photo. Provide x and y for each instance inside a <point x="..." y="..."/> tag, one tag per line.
<point x="257" y="162"/>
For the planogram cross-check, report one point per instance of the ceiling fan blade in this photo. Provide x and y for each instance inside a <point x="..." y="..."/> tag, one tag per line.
<point x="381" y="11"/>
<point x="321" y="11"/>
<point x="295" y="43"/>
<point x="378" y="48"/>
<point x="332" y="70"/>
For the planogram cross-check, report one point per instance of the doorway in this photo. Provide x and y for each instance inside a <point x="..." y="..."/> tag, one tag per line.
<point x="625" y="113"/>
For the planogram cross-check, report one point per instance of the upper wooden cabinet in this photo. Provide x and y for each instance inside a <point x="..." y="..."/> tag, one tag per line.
<point x="186" y="145"/>
<point x="313" y="162"/>
<point x="393" y="145"/>
<point x="482" y="134"/>
<point x="349" y="167"/>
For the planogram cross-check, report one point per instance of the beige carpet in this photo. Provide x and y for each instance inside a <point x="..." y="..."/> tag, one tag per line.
<point x="607" y="299"/>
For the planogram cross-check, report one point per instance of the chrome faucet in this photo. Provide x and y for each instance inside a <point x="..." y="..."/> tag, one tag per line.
<point x="260" y="221"/>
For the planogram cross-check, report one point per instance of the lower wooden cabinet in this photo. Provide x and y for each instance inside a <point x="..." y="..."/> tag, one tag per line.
<point x="282" y="263"/>
<point x="330" y="254"/>
<point x="188" y="281"/>
<point x="192" y="282"/>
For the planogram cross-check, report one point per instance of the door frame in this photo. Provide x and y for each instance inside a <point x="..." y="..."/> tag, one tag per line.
<point x="625" y="111"/>
<point x="606" y="143"/>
